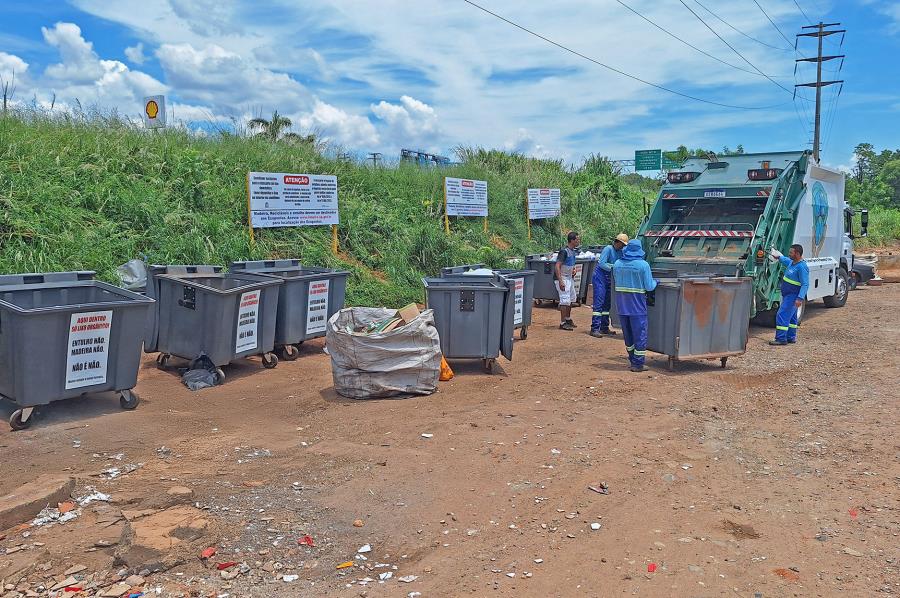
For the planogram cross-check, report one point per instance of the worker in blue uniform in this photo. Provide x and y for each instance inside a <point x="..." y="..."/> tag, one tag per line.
<point x="600" y="282"/>
<point x="633" y="280"/>
<point x="794" y="285"/>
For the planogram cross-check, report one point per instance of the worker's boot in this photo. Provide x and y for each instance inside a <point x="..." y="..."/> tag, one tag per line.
<point x="778" y="343"/>
<point x="639" y="368"/>
<point x="566" y="326"/>
<point x="597" y="334"/>
<point x="608" y="332"/>
<point x="571" y="323"/>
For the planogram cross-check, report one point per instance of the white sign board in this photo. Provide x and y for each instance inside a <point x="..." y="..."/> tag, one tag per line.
<point x="317" y="306"/>
<point x="519" y="301"/>
<point x="88" y="348"/>
<point x="543" y="203"/>
<point x="154" y="112"/>
<point x="283" y="199"/>
<point x="466" y="197"/>
<point x="248" y="322"/>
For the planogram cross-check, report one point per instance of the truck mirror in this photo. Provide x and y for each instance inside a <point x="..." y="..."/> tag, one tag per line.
<point x="864" y="221"/>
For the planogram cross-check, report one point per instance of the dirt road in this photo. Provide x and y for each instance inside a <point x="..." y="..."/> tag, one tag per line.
<point x="778" y="476"/>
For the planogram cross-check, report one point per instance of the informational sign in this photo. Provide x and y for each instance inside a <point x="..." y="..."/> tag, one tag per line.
<point x="88" y="348"/>
<point x="466" y="197"/>
<point x="519" y="301"/>
<point x="670" y="164"/>
<point x="154" y="112"/>
<point x="248" y="322"/>
<point x="714" y="193"/>
<point x="647" y="159"/>
<point x="543" y="203"/>
<point x="283" y="199"/>
<point x="317" y="306"/>
<point x="576" y="277"/>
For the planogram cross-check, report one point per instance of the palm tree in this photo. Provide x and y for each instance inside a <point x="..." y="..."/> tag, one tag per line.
<point x="272" y="128"/>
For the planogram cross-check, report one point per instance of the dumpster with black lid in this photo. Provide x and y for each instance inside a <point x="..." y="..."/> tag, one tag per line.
<point x="524" y="290"/>
<point x="214" y="319"/>
<point x="308" y="297"/>
<point x="101" y="326"/>
<point x="474" y="317"/>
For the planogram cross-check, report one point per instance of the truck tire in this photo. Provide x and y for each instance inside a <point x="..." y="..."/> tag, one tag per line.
<point x="841" y="290"/>
<point x="766" y="318"/>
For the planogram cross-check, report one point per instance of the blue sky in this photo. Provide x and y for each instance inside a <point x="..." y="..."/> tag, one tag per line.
<point x="437" y="74"/>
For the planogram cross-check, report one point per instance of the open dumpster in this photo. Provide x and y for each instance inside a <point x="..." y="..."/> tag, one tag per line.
<point x="474" y="317"/>
<point x="545" y="286"/>
<point x="214" y="319"/>
<point x="308" y="297"/>
<point x="524" y="291"/>
<point x="698" y="317"/>
<point x="63" y="335"/>
<point x="151" y="330"/>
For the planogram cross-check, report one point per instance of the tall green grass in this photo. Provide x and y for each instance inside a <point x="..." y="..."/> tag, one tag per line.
<point x="81" y="192"/>
<point x="884" y="228"/>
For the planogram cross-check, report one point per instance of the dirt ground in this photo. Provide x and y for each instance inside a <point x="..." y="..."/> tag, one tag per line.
<point x="778" y="476"/>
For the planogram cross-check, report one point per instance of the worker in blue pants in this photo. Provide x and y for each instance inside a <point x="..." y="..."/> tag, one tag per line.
<point x="794" y="285"/>
<point x="633" y="280"/>
<point x="601" y="283"/>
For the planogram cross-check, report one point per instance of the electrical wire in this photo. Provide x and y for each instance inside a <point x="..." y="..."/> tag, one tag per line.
<point x="800" y="8"/>
<point x="748" y="36"/>
<point x="688" y="44"/>
<point x="733" y="49"/>
<point x="777" y="28"/>
<point x="832" y="116"/>
<point x="614" y="69"/>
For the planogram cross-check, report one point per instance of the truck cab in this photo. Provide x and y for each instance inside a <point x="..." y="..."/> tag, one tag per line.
<point x="719" y="216"/>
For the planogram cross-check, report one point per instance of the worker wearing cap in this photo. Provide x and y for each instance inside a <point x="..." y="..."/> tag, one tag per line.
<point x="565" y="280"/>
<point x="794" y="285"/>
<point x="633" y="280"/>
<point x="601" y="283"/>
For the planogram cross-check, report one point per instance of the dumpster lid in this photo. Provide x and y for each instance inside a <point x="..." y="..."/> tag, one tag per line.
<point x="48" y="297"/>
<point x="45" y="277"/>
<point x="230" y="283"/>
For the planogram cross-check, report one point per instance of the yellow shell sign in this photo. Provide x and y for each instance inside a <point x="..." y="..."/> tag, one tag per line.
<point x="152" y="109"/>
<point x="154" y="112"/>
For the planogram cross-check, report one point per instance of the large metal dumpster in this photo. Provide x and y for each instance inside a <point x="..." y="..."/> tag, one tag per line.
<point x="696" y="318"/>
<point x="474" y="317"/>
<point x="214" y="319"/>
<point x="545" y="286"/>
<point x="151" y="331"/>
<point x="308" y="297"/>
<point x="64" y="334"/>
<point x="524" y="291"/>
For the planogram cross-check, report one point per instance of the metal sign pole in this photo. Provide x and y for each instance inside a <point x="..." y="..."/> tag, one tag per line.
<point x="446" y="217"/>
<point x="527" y="215"/>
<point x="249" y="213"/>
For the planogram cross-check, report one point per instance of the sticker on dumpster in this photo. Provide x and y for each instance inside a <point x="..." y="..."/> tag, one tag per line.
<point x="576" y="285"/>
<point x="248" y="322"/>
<point x="317" y="306"/>
<point x="520" y="303"/>
<point x="88" y="348"/>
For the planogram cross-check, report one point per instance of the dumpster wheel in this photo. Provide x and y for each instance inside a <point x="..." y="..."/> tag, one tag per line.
<point x="289" y="352"/>
<point x="269" y="360"/>
<point x="523" y="333"/>
<point x="162" y="360"/>
<point x="129" y="400"/>
<point x="220" y="376"/>
<point x="489" y="365"/>
<point x="16" y="422"/>
<point x="724" y="361"/>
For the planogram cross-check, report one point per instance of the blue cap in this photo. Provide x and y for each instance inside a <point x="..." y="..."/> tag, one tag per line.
<point x="633" y="251"/>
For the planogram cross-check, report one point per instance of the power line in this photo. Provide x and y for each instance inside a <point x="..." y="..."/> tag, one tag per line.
<point x="748" y="36"/>
<point x="733" y="49"/>
<point x="615" y="70"/>
<point x="688" y="44"/>
<point x="800" y="8"/>
<point x="832" y="117"/>
<point x="777" y="28"/>
<point x="820" y="33"/>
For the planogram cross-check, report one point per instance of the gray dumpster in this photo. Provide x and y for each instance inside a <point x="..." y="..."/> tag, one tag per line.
<point x="524" y="291"/>
<point x="63" y="335"/>
<point x="151" y="332"/>
<point x="308" y="297"/>
<point x="474" y="317"/>
<point x="696" y="318"/>
<point x="214" y="319"/>
<point x="545" y="287"/>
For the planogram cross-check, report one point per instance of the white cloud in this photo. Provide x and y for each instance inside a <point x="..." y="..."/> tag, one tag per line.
<point x="411" y="122"/>
<point x="205" y="17"/>
<point x="80" y="64"/>
<point x="11" y="64"/>
<point x="136" y="53"/>
<point x="524" y="143"/>
<point x="339" y="126"/>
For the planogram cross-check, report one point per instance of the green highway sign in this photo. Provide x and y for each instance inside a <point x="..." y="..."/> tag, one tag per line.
<point x="669" y="164"/>
<point x="647" y="159"/>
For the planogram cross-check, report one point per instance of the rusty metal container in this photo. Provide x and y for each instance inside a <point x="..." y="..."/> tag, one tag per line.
<point x="697" y="318"/>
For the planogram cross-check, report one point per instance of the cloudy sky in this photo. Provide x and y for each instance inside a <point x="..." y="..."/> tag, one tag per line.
<point x="378" y="76"/>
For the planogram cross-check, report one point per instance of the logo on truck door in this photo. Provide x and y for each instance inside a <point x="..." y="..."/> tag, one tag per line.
<point x="820" y="217"/>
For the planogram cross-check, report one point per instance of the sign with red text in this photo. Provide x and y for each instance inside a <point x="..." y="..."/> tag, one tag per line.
<point x="88" y="348"/>
<point x="466" y="197"/>
<point x="317" y="306"/>
<point x="248" y="322"/>
<point x="279" y="199"/>
<point x="543" y="203"/>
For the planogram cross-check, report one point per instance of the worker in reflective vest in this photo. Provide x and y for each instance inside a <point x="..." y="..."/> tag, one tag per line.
<point x="600" y="282"/>
<point x="633" y="280"/>
<point x="794" y="285"/>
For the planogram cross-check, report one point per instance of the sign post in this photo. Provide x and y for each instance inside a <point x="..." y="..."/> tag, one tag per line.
<point x="465" y="197"/>
<point x="154" y="112"/>
<point x="647" y="159"/>
<point x="528" y="213"/>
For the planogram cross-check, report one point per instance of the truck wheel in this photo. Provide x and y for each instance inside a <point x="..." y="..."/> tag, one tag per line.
<point x="766" y="318"/>
<point x="842" y="288"/>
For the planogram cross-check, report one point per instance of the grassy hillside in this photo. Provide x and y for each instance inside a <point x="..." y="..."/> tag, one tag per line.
<point x="91" y="193"/>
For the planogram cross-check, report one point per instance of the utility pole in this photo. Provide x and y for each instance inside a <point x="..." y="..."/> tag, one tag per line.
<point x="375" y="157"/>
<point x="820" y="32"/>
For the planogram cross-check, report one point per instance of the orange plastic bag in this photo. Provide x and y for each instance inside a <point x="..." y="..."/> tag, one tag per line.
<point x="446" y="372"/>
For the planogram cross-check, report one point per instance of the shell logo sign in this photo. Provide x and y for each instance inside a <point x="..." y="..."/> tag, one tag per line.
<point x="154" y="112"/>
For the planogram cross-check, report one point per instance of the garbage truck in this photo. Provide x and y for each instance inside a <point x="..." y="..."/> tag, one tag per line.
<point x="718" y="216"/>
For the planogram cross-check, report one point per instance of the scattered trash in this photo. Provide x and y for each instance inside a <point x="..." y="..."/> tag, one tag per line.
<point x="76" y="443"/>
<point x="408" y="578"/>
<point x="385" y="576"/>
<point x="65" y="507"/>
<point x="51" y="515"/>
<point x="345" y="565"/>
<point x="364" y="549"/>
<point x="358" y="523"/>
<point x="199" y="379"/>
<point x="427" y="435"/>
<point x="555" y="451"/>
<point x="852" y="552"/>
<point x="599" y="488"/>
<point x="446" y="372"/>
<point x="538" y="561"/>
<point x="853" y="513"/>
<point x="306" y="541"/>
<point x="112" y="473"/>
<point x="290" y="578"/>
<point x="595" y="526"/>
<point x="226" y="565"/>
<point x="510" y="574"/>
<point x="94" y="496"/>
<point x="209" y="552"/>
<point x="163" y="452"/>
<point x="651" y="567"/>
<point x="787" y="574"/>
